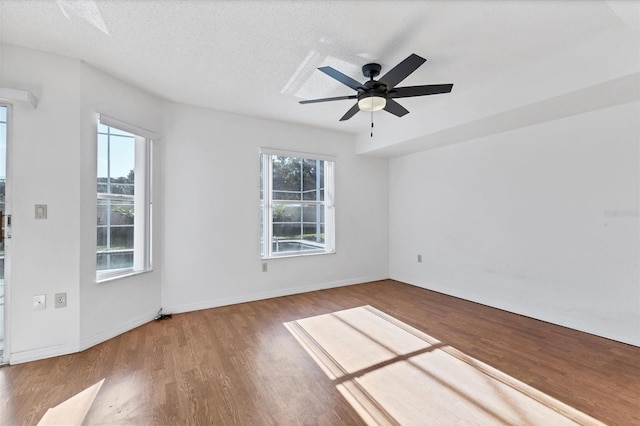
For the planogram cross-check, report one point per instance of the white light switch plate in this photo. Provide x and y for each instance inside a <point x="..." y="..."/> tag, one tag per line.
<point x="41" y="211"/>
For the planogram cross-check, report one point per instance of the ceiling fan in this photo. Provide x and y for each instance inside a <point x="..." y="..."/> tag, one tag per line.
<point x="375" y="95"/>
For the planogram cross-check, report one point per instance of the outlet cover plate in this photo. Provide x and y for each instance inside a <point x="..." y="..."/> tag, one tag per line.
<point x="40" y="302"/>
<point x="60" y="300"/>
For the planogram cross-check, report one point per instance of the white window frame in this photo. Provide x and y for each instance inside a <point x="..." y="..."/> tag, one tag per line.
<point x="266" y="158"/>
<point x="142" y="198"/>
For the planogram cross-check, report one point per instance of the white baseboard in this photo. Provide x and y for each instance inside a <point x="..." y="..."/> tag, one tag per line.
<point x="70" y="348"/>
<point x="116" y="331"/>
<point x="542" y="316"/>
<point x="214" y="303"/>
<point x="43" y="353"/>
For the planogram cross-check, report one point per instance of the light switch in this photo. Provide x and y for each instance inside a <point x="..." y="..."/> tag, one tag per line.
<point x="41" y="211"/>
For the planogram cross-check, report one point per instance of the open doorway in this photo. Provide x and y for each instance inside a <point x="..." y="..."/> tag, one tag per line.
<point x="3" y="222"/>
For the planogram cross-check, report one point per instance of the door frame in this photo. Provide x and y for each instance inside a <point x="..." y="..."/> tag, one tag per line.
<point x="7" y="241"/>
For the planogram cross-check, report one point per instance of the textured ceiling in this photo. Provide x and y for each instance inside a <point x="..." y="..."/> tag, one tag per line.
<point x="259" y="58"/>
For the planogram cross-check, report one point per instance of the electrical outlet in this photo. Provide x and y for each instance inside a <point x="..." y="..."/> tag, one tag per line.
<point x="264" y="267"/>
<point x="419" y="258"/>
<point x="60" y="300"/>
<point x="39" y="302"/>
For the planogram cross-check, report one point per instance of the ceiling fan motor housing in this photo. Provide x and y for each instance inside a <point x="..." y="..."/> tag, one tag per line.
<point x="373" y="93"/>
<point x="371" y="70"/>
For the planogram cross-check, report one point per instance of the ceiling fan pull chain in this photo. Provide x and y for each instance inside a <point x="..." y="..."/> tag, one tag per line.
<point x="371" y="123"/>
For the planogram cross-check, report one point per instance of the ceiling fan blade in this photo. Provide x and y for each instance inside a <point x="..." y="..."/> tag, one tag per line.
<point x="395" y="108"/>
<point x="402" y="70"/>
<point x="344" y="79"/>
<point x="354" y="109"/>
<point x="429" y="89"/>
<point x="338" y="98"/>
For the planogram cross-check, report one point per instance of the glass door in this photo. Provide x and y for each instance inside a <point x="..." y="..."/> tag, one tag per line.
<point x="3" y="221"/>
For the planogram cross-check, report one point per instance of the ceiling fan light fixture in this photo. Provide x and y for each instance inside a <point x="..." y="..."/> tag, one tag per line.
<point x="374" y="95"/>
<point x="372" y="103"/>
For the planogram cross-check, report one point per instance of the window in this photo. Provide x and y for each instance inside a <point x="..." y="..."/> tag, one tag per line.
<point x="297" y="199"/>
<point x="124" y="202"/>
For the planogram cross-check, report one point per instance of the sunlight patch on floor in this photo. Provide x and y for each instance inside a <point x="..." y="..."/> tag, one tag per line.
<point x="392" y="373"/>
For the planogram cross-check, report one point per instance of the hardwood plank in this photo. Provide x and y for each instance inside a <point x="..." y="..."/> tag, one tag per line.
<point x="239" y="365"/>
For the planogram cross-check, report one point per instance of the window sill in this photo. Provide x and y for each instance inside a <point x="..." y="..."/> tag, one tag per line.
<point x="296" y="254"/>
<point x="107" y="277"/>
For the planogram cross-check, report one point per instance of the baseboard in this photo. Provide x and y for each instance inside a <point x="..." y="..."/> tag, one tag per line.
<point x="53" y="351"/>
<point x="42" y="353"/>
<point x="113" y="332"/>
<point x="214" y="303"/>
<point x="70" y="348"/>
<point x="519" y="310"/>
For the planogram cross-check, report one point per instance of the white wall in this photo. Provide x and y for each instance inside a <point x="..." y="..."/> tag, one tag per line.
<point x="211" y="226"/>
<point x="110" y="308"/>
<point x="522" y="221"/>
<point x="52" y="160"/>
<point x="206" y="220"/>
<point x="44" y="164"/>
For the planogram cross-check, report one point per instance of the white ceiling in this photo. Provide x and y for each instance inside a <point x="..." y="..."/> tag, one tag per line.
<point x="259" y="58"/>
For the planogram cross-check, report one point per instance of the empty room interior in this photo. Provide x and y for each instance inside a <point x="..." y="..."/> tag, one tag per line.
<point x="319" y="212"/>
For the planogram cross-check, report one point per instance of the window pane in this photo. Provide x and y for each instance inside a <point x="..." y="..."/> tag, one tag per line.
<point x="102" y="238"/>
<point x="293" y="246"/>
<point x="121" y="237"/>
<point x="121" y="159"/>
<point x="103" y="212"/>
<point x="311" y="195"/>
<point x="310" y="174"/>
<point x="313" y="213"/>
<point x="101" y="262"/>
<point x="286" y="231"/>
<point x="115" y="212"/>
<point x="281" y="195"/>
<point x="105" y="261"/>
<point x="121" y="212"/>
<point x="313" y="233"/>
<point x="262" y="177"/>
<point x="121" y="260"/>
<point x="287" y="212"/>
<point x="103" y="158"/>
<point x="121" y="188"/>
<point x="3" y="148"/>
<point x="286" y="173"/>
<point x="102" y="128"/>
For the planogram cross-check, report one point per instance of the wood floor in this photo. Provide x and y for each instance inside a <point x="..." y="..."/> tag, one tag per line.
<point x="239" y="364"/>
